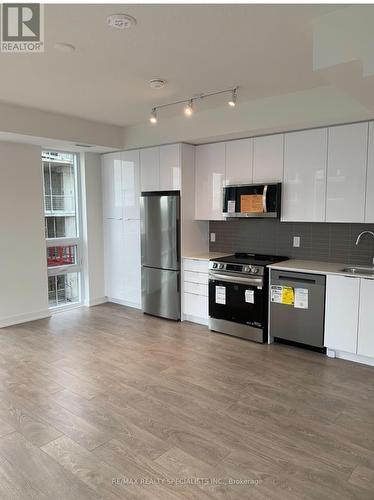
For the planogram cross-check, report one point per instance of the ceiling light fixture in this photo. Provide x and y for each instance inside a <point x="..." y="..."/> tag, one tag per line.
<point x="121" y="21"/>
<point x="153" y="117"/>
<point x="189" y="108"/>
<point x="233" y="99"/>
<point x="67" y="48"/>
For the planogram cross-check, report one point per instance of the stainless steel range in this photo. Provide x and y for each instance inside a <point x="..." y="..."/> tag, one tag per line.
<point x="238" y="295"/>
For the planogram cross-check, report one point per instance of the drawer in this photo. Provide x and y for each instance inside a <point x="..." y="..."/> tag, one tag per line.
<point x="196" y="288"/>
<point x="195" y="305"/>
<point x="198" y="266"/>
<point x="194" y="277"/>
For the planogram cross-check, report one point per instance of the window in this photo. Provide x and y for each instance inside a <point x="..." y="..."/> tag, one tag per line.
<point x="62" y="228"/>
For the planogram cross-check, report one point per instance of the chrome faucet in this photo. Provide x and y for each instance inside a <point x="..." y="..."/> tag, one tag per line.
<point x="361" y="234"/>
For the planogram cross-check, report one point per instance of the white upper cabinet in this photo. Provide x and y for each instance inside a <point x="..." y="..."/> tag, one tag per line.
<point x="113" y="200"/>
<point x="369" y="214"/>
<point x="170" y="168"/>
<point x="346" y="173"/>
<point x="210" y="174"/>
<point x="239" y="162"/>
<point x="150" y="169"/>
<point x="341" y="316"/>
<point x="268" y="159"/>
<point x="304" y="180"/>
<point x="131" y="184"/>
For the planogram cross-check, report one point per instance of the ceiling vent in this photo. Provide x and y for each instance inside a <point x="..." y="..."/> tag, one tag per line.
<point x="121" y="21"/>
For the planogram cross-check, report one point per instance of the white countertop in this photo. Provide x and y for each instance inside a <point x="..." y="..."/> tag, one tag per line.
<point x="206" y="256"/>
<point x="316" y="267"/>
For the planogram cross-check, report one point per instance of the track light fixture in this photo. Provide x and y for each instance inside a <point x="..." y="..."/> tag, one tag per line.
<point x="188" y="109"/>
<point x="189" y="103"/>
<point x="153" y="117"/>
<point x="233" y="98"/>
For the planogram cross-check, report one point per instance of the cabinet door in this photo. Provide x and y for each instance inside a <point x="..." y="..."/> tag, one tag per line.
<point x="268" y="159"/>
<point x="346" y="173"/>
<point x="239" y="162"/>
<point x="304" y="178"/>
<point x="210" y="173"/>
<point x="132" y="264"/>
<point x="369" y="215"/>
<point x="341" y="319"/>
<point x="150" y="169"/>
<point x="111" y="168"/>
<point x="365" y="345"/>
<point x="114" y="259"/>
<point x="170" y="168"/>
<point x="131" y="184"/>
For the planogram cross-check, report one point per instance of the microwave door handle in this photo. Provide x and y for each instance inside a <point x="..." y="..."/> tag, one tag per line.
<point x="264" y="199"/>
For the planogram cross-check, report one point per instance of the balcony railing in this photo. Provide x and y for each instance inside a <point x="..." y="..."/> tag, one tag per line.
<point x="59" y="203"/>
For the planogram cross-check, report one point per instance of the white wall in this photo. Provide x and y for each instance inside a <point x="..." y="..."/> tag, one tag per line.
<point x="45" y="126"/>
<point x="23" y="265"/>
<point x="92" y="229"/>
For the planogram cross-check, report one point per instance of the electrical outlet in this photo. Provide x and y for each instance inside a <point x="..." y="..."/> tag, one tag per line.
<point x="296" y="241"/>
<point x="212" y="237"/>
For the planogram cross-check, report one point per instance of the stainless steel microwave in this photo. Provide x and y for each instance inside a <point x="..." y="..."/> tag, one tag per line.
<point x="253" y="200"/>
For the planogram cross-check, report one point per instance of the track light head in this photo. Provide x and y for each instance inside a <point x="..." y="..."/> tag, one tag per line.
<point x="153" y="117"/>
<point x="233" y="98"/>
<point x="188" y="109"/>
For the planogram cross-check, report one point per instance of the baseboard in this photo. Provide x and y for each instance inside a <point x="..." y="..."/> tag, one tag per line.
<point x="195" y="319"/>
<point x="24" y="318"/>
<point x="135" y="305"/>
<point x="96" y="302"/>
<point x="356" y="358"/>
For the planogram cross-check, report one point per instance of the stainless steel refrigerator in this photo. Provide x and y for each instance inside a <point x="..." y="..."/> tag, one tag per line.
<point x="160" y="242"/>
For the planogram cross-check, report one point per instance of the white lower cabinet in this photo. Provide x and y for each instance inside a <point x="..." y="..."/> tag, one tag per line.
<point x="122" y="261"/>
<point x="365" y="345"/>
<point x="195" y="290"/>
<point x="341" y="319"/>
<point x="349" y="320"/>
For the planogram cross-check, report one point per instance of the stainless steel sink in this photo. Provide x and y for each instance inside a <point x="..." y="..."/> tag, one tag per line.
<point x="359" y="270"/>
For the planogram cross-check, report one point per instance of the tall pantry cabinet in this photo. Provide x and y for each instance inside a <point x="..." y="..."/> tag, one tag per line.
<point x="121" y="213"/>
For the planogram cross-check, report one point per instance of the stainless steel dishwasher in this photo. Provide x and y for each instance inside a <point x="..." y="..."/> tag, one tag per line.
<point x="297" y="307"/>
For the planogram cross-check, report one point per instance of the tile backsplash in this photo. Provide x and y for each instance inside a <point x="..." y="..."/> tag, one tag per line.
<point x="318" y="241"/>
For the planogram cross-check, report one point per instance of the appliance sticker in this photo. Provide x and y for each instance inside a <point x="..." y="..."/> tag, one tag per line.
<point x="276" y="294"/>
<point x="282" y="295"/>
<point x="252" y="203"/>
<point x="250" y="296"/>
<point x="221" y="295"/>
<point x="231" y="206"/>
<point x="301" y="298"/>
<point x="288" y="296"/>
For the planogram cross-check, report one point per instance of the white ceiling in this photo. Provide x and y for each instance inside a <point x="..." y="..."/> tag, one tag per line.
<point x="266" y="49"/>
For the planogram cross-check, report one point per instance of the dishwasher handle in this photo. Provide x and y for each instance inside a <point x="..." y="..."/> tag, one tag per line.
<point x="307" y="281"/>
<point x="280" y="277"/>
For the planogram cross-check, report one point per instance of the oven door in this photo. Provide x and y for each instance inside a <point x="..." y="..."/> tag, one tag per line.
<point x="240" y="300"/>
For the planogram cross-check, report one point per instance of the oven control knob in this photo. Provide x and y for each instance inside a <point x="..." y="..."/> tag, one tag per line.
<point x="214" y="265"/>
<point x="255" y="270"/>
<point x="246" y="269"/>
<point x="221" y="266"/>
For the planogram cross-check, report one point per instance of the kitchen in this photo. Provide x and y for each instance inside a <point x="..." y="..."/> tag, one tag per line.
<point x="187" y="271"/>
<point x="316" y="211"/>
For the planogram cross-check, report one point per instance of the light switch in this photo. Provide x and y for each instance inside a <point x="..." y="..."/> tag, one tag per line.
<point x="212" y="237"/>
<point x="296" y="241"/>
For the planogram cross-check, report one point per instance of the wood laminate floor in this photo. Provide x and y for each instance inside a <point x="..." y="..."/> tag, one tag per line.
<point x="108" y="403"/>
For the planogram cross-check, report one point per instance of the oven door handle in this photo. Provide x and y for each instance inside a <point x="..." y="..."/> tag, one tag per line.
<point x="237" y="279"/>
